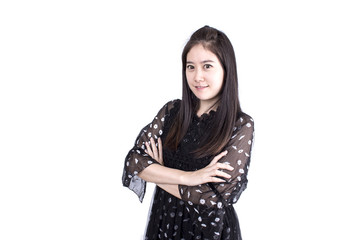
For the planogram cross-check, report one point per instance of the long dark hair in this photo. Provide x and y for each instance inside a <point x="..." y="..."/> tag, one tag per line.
<point x="228" y="110"/>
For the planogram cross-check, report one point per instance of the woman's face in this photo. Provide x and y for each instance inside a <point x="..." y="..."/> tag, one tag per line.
<point x="204" y="74"/>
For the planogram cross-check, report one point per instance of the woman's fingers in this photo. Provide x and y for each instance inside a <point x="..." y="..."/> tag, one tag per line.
<point x="154" y="149"/>
<point x="148" y="150"/>
<point x="217" y="180"/>
<point x="216" y="172"/>
<point x="160" y="150"/>
<point x="218" y="157"/>
<point x="220" y="173"/>
<point x="224" y="166"/>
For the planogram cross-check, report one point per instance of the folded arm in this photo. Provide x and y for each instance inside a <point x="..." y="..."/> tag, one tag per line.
<point x="239" y="152"/>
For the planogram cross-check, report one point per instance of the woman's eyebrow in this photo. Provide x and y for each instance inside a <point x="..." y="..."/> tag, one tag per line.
<point x="205" y="61"/>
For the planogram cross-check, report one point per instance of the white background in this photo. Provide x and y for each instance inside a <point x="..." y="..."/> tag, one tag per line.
<point x="79" y="79"/>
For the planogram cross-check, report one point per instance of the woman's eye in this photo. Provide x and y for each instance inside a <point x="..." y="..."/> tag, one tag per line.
<point x="207" y="66"/>
<point x="190" y="67"/>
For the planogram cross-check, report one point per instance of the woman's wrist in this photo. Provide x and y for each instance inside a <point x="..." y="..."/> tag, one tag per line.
<point x="183" y="178"/>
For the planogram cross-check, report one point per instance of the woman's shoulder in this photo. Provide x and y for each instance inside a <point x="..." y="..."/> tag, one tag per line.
<point x="173" y="103"/>
<point x="244" y="119"/>
<point x="169" y="106"/>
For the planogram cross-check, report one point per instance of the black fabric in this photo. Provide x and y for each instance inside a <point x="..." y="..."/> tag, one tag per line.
<point x="205" y="211"/>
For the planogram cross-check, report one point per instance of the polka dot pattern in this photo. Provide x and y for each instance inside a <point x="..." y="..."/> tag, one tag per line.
<point x="137" y="159"/>
<point x="239" y="151"/>
<point x="205" y="211"/>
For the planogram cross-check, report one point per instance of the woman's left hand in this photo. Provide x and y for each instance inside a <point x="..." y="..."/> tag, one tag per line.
<point x="155" y="152"/>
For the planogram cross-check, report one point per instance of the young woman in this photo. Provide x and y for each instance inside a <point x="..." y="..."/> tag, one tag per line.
<point x="196" y="150"/>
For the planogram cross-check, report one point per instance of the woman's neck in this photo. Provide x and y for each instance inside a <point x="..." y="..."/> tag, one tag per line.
<point x="206" y="107"/>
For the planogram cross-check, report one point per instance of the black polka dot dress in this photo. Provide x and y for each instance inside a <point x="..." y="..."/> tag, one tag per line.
<point x="204" y="211"/>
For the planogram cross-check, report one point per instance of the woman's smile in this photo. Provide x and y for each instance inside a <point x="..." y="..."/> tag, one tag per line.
<point x="204" y="74"/>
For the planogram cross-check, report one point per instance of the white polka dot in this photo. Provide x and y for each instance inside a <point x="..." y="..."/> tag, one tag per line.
<point x="199" y="219"/>
<point x="249" y="142"/>
<point x="202" y="201"/>
<point x="155" y="126"/>
<point x="149" y="134"/>
<point x="160" y="132"/>
<point x="239" y="162"/>
<point x="241" y="170"/>
<point x="217" y="219"/>
<point x="219" y="204"/>
<point x="248" y="124"/>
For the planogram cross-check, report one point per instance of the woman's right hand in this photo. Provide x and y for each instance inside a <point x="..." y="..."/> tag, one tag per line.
<point x="154" y="151"/>
<point x="210" y="173"/>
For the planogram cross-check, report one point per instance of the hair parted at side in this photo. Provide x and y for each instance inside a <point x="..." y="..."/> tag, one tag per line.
<point x="229" y="107"/>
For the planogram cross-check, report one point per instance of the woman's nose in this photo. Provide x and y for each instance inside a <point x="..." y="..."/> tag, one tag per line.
<point x="199" y="75"/>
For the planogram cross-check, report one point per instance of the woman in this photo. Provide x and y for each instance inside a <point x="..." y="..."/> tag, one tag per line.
<point x="196" y="150"/>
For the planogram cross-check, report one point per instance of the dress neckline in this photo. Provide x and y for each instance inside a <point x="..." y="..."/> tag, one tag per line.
<point x="205" y="115"/>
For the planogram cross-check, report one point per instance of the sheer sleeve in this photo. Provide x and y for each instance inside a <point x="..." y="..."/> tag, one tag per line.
<point x="239" y="151"/>
<point x="137" y="160"/>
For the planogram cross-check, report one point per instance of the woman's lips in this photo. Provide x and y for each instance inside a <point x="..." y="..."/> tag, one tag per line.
<point x="200" y="87"/>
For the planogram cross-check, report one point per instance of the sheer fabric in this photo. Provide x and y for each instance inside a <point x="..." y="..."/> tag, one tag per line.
<point x="137" y="160"/>
<point x="205" y="211"/>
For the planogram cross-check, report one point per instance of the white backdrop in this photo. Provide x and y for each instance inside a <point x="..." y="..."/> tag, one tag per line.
<point x="79" y="79"/>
